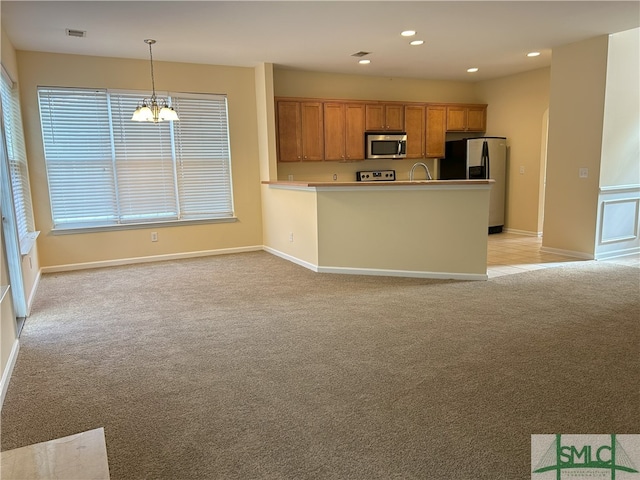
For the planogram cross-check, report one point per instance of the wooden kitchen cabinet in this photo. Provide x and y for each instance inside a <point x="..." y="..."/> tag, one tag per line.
<point x="466" y="118"/>
<point x="477" y="119"/>
<point x="414" y="122"/>
<point x="436" y="130"/>
<point x="385" y="116"/>
<point x="300" y="131"/>
<point x="344" y="125"/>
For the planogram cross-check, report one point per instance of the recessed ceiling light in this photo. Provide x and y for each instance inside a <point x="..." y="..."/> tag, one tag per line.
<point x="364" y="62"/>
<point x="533" y="54"/>
<point x="417" y="42"/>
<point x="408" y="33"/>
<point x="472" y="70"/>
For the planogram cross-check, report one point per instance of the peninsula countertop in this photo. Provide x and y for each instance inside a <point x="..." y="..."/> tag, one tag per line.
<point x="395" y="183"/>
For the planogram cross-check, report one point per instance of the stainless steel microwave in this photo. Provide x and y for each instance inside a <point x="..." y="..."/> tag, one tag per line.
<point x="385" y="145"/>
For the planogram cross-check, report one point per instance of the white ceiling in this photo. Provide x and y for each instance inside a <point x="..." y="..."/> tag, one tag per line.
<point x="322" y="35"/>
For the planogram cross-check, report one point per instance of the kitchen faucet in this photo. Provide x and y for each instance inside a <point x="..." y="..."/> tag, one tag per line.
<point x="420" y="164"/>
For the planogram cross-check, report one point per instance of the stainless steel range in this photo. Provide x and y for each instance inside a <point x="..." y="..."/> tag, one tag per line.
<point x="376" y="176"/>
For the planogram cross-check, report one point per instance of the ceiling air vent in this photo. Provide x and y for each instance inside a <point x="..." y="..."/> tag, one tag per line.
<point x="76" y="33"/>
<point x="360" y="54"/>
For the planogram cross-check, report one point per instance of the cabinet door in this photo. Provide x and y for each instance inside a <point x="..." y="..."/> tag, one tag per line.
<point x="414" y="125"/>
<point x="312" y="131"/>
<point x="476" y="119"/>
<point x="436" y="131"/>
<point x="289" y="132"/>
<point x="375" y="117"/>
<point x="354" y="131"/>
<point x="334" y="131"/>
<point x="456" y="119"/>
<point x="394" y="117"/>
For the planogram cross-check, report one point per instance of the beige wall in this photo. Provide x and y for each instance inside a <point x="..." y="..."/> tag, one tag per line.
<point x="8" y="334"/>
<point x="266" y="122"/>
<point x="294" y="83"/>
<point x="430" y="230"/>
<point x="85" y="71"/>
<point x="516" y="110"/>
<point x="291" y="214"/>
<point x="578" y="77"/>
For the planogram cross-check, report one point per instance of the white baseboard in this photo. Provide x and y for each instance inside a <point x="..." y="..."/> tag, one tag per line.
<point x="8" y="370"/>
<point x="567" y="253"/>
<point x="403" y="273"/>
<point x="377" y="272"/>
<point x="153" y="258"/>
<point x="523" y="232"/>
<point x="618" y="253"/>
<point x="290" y="258"/>
<point x="32" y="294"/>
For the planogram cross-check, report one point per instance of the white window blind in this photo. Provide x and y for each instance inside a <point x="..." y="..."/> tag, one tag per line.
<point x="105" y="169"/>
<point x="17" y="156"/>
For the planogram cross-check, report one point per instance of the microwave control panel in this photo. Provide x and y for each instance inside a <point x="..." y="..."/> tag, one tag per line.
<point x="376" y="175"/>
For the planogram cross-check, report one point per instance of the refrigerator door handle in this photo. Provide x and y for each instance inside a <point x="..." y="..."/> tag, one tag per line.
<point x="485" y="159"/>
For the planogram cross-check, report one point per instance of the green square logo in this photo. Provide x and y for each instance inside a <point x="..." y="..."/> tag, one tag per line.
<point x="585" y="457"/>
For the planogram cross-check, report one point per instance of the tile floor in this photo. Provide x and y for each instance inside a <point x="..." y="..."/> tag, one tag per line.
<point x="80" y="456"/>
<point x="510" y="253"/>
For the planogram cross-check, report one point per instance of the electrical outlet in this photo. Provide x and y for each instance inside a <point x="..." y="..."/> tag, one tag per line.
<point x="290" y="178"/>
<point x="521" y="170"/>
<point x="335" y="176"/>
<point x="154" y="236"/>
<point x="583" y="172"/>
<point x="291" y="236"/>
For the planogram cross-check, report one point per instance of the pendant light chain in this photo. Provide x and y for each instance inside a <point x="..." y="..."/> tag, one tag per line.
<point x="150" y="109"/>
<point x="153" y="82"/>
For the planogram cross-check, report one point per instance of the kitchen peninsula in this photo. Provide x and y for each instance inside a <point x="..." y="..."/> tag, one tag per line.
<point x="428" y="228"/>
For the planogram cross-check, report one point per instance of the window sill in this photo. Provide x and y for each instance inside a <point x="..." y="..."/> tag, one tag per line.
<point x="138" y="226"/>
<point x="27" y="243"/>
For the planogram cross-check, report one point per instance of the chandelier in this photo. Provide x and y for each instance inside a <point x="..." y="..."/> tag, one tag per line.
<point x="153" y="109"/>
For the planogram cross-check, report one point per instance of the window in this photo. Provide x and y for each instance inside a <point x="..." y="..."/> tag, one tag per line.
<point x="17" y="160"/>
<point x="106" y="170"/>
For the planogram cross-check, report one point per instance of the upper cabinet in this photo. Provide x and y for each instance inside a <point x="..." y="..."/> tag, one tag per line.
<point x="311" y="129"/>
<point x="436" y="120"/>
<point x="385" y="116"/>
<point x="344" y="126"/>
<point x="414" y="122"/>
<point x="466" y="118"/>
<point x="300" y="131"/>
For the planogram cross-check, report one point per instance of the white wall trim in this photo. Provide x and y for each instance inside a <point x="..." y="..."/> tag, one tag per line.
<point x="633" y="221"/>
<point x="618" y="253"/>
<point x="291" y="258"/>
<point x="523" y="232"/>
<point x="620" y="189"/>
<point x="8" y="370"/>
<point x="403" y="273"/>
<point x="567" y="253"/>
<point x="377" y="272"/>
<point x="32" y="294"/>
<point x="152" y="258"/>
<point x="618" y="221"/>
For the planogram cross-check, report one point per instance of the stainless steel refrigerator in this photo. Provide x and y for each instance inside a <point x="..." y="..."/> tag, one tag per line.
<point x="481" y="157"/>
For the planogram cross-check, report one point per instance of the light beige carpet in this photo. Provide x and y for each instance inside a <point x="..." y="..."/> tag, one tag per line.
<point x="249" y="367"/>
